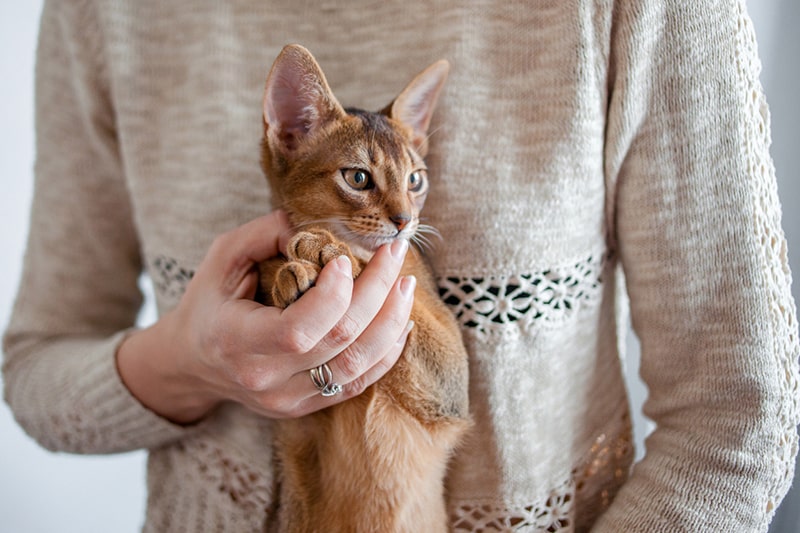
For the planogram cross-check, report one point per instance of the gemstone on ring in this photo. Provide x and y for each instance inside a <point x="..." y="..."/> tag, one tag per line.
<point x="322" y="377"/>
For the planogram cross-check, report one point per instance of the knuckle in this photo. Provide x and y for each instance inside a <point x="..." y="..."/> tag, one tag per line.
<point x="344" y="332"/>
<point x="295" y="341"/>
<point x="252" y="380"/>
<point x="385" y="364"/>
<point x="221" y="242"/>
<point x="353" y="363"/>
<point x="397" y="318"/>
<point x="386" y="280"/>
<point x="357" y="386"/>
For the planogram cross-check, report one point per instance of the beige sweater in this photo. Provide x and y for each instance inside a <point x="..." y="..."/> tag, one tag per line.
<point x="584" y="154"/>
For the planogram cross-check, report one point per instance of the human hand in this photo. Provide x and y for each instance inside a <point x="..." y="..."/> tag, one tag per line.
<point x="218" y="344"/>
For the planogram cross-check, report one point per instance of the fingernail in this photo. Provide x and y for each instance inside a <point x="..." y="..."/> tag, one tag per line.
<point x="343" y="265"/>
<point x="405" y="333"/>
<point x="407" y="285"/>
<point x="399" y="248"/>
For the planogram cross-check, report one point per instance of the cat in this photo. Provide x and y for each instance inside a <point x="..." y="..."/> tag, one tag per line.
<point x="351" y="181"/>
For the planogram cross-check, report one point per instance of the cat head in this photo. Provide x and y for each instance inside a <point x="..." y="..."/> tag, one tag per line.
<point x="356" y="173"/>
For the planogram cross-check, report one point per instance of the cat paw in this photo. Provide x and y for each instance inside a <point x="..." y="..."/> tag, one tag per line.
<point x="317" y="246"/>
<point x="307" y="252"/>
<point x="292" y="280"/>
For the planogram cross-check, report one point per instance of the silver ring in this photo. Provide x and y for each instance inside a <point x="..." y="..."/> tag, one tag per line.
<point x="322" y="377"/>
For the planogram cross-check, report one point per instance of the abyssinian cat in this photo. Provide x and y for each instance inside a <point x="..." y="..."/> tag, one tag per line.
<point x="351" y="181"/>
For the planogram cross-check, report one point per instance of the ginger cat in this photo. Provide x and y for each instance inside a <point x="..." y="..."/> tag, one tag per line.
<point x="352" y="181"/>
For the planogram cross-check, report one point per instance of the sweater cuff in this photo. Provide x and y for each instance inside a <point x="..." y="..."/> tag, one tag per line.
<point x="70" y="397"/>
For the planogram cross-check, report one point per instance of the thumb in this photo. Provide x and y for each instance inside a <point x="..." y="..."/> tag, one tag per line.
<point x="260" y="239"/>
<point x="234" y="253"/>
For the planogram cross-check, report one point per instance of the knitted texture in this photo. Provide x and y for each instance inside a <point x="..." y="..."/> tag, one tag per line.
<point x="575" y="142"/>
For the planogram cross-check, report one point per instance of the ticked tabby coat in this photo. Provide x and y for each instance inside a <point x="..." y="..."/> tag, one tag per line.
<point x="352" y="181"/>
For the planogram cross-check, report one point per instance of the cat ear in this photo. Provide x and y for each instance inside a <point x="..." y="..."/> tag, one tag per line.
<point x="414" y="107"/>
<point x="297" y="99"/>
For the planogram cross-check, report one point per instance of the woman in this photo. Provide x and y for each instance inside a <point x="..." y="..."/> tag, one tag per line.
<point x="602" y="140"/>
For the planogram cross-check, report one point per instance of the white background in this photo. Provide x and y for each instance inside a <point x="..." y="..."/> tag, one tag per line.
<point x="41" y="492"/>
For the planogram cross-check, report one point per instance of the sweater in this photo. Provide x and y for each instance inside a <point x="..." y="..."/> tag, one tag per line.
<point x="593" y="165"/>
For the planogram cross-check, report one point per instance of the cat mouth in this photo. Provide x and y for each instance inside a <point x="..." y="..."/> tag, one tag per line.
<point x="373" y="242"/>
<point x="369" y="241"/>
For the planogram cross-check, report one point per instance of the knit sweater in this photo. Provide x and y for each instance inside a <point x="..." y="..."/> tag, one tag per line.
<point x="584" y="155"/>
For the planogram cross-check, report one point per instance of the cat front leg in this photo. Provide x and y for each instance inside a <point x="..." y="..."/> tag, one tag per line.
<point x="307" y="252"/>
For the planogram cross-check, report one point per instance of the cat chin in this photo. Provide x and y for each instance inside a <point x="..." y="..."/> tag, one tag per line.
<point x="365" y="248"/>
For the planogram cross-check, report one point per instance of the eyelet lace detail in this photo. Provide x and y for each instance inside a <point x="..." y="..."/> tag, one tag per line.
<point x="489" y="305"/>
<point x="602" y="471"/>
<point x="246" y="486"/>
<point x="767" y="226"/>
<point x="169" y="277"/>
<point x="552" y="515"/>
<point x="573" y="504"/>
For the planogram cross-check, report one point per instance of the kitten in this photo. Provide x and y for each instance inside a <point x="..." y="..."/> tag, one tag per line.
<point x="352" y="181"/>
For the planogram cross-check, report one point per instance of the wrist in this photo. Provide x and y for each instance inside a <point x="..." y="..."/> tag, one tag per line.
<point x="152" y="364"/>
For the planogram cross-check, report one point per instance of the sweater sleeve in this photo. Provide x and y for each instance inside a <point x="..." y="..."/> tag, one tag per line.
<point x="697" y="218"/>
<point x="78" y="294"/>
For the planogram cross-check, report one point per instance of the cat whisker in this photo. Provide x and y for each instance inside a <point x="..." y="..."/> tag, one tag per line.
<point x="328" y="222"/>
<point x="427" y="238"/>
<point x="415" y="250"/>
<point x="430" y="134"/>
<point x="423" y="243"/>
<point x="429" y="231"/>
<point x="319" y="222"/>
<point x="424" y="247"/>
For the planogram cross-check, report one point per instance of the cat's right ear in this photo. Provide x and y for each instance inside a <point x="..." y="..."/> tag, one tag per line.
<point x="297" y="100"/>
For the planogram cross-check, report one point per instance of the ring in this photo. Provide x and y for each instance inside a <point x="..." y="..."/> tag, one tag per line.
<point x="322" y="377"/>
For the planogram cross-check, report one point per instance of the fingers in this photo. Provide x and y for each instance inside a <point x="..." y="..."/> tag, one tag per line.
<point x="359" y="328"/>
<point x="370" y="292"/>
<point x="372" y="354"/>
<point x="389" y="323"/>
<point x="335" y="311"/>
<point x="315" y="401"/>
<point x="379" y="369"/>
<point x="300" y="327"/>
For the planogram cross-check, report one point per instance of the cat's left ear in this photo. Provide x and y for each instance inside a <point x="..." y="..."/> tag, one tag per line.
<point x="414" y="107"/>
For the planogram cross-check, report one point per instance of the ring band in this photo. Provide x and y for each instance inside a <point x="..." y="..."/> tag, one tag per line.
<point x="322" y="377"/>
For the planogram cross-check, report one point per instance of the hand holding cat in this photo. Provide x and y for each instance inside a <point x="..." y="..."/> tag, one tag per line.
<point x="218" y="344"/>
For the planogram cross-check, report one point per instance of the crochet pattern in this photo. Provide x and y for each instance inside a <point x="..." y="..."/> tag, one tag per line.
<point x="552" y="515"/>
<point x="608" y="458"/>
<point x="489" y="304"/>
<point x="246" y="486"/>
<point x="767" y="226"/>
<point x="169" y="277"/>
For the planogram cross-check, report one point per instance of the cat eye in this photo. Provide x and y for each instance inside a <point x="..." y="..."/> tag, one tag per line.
<point x="416" y="180"/>
<point x="357" y="179"/>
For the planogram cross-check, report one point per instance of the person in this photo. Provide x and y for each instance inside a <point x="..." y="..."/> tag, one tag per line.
<point x="583" y="156"/>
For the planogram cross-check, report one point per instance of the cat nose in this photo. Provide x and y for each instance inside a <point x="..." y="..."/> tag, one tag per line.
<point x="400" y="220"/>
